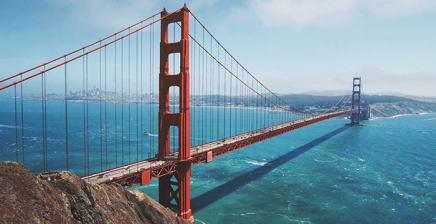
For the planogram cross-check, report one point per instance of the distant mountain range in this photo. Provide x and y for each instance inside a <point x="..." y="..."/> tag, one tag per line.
<point x="345" y="92"/>
<point x="381" y="105"/>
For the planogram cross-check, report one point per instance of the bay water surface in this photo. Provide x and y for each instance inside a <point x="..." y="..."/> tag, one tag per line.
<point x="381" y="172"/>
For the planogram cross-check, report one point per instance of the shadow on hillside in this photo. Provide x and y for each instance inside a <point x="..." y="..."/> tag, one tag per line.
<point x="223" y="190"/>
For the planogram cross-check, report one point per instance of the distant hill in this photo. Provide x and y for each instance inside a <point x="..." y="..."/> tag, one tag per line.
<point x="381" y="105"/>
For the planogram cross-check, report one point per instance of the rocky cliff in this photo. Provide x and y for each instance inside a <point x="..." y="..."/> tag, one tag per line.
<point x="65" y="198"/>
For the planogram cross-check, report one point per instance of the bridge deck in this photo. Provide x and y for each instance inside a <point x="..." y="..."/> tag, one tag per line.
<point x="131" y="173"/>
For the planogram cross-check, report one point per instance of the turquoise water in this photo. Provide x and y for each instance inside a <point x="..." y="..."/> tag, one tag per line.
<point x="382" y="172"/>
<point x="113" y="138"/>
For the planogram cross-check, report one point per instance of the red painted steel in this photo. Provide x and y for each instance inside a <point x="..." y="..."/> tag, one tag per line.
<point x="173" y="169"/>
<point x="169" y="168"/>
<point x="221" y="150"/>
<point x="166" y="169"/>
<point x="209" y="156"/>
<point x="180" y="120"/>
<point x="145" y="176"/>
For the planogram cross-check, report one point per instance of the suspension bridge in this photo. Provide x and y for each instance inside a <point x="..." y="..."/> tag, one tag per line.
<point x="144" y="103"/>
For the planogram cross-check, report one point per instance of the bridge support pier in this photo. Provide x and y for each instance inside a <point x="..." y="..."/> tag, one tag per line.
<point x="355" y="101"/>
<point x="174" y="189"/>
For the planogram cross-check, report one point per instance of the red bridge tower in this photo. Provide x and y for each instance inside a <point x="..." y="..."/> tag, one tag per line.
<point x="174" y="190"/>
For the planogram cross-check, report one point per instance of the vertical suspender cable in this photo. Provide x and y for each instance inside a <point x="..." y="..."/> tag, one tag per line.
<point x="43" y="124"/>
<point x="66" y="116"/>
<point x="87" y="115"/>
<point x="22" y="120"/>
<point x="212" y="74"/>
<point x="153" y="115"/>
<point x="141" y="96"/>
<point x="218" y="95"/>
<point x="224" y="96"/>
<point x="105" y="107"/>
<point x="84" y="114"/>
<point x="153" y="124"/>
<point x="115" y="104"/>
<point x="193" y="72"/>
<point x="128" y="94"/>
<point x="203" y="93"/>
<point x="150" y="96"/>
<point x="231" y="97"/>
<point x="210" y="93"/>
<point x="100" y="111"/>
<point x="256" y="96"/>
<point x="137" y="98"/>
<point x="16" y="124"/>
<point x="122" y="101"/>
<point x="236" y="99"/>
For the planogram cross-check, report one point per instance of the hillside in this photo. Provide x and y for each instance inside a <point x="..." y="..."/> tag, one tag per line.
<point x="401" y="107"/>
<point x="381" y="105"/>
<point x="65" y="198"/>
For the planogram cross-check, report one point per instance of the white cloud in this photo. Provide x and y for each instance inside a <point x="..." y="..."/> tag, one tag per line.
<point x="107" y="14"/>
<point x="322" y="12"/>
<point x="114" y="14"/>
<point x="406" y="82"/>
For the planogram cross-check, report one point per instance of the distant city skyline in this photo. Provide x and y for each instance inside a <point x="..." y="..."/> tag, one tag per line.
<point x="292" y="46"/>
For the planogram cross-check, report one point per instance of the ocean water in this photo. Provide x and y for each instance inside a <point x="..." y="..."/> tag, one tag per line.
<point x="112" y="137"/>
<point x="381" y="172"/>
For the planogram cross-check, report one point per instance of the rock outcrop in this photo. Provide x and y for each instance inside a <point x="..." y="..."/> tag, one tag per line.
<point x="65" y="198"/>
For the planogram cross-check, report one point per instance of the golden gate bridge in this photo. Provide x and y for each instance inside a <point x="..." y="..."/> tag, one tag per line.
<point x="146" y="103"/>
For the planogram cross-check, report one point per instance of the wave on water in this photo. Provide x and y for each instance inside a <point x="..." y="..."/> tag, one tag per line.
<point x="244" y="213"/>
<point x="351" y="156"/>
<point x="404" y="195"/>
<point x="375" y="118"/>
<point x="294" y="220"/>
<point x="196" y="220"/>
<point x="401" y="115"/>
<point x="8" y="126"/>
<point x="149" y="134"/>
<point x="430" y="119"/>
<point x="32" y="138"/>
<point x="150" y="185"/>
<point x="334" y="159"/>
<point x="256" y="163"/>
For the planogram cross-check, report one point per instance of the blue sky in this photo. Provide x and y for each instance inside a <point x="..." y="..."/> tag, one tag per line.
<point x="293" y="46"/>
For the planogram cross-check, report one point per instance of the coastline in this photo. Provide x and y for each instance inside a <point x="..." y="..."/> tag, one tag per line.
<point x="403" y="115"/>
